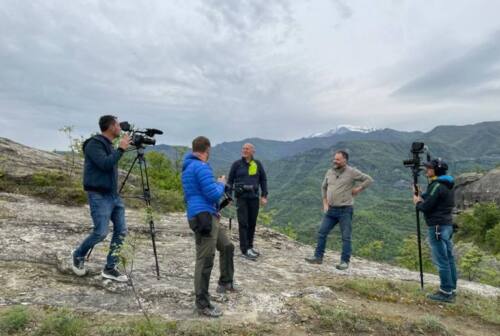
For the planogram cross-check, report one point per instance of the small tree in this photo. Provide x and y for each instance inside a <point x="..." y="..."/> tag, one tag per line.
<point x="373" y="250"/>
<point x="470" y="261"/>
<point x="408" y="255"/>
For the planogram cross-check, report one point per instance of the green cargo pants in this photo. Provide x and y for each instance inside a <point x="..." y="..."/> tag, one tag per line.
<point x="205" y="253"/>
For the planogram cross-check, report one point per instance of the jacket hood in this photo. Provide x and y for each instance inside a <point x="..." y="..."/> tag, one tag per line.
<point x="447" y="180"/>
<point x="188" y="159"/>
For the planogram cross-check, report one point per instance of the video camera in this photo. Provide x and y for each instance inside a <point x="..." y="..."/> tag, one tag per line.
<point x="417" y="148"/>
<point x="140" y="137"/>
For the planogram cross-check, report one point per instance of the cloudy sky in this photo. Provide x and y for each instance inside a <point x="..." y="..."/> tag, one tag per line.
<point x="232" y="69"/>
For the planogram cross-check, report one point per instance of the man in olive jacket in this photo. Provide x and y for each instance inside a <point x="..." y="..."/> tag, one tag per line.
<point x="340" y="185"/>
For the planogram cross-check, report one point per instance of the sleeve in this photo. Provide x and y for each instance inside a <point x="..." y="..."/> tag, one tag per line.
<point x="210" y="188"/>
<point x="96" y="152"/>
<point x="231" y="177"/>
<point x="262" y="179"/>
<point x="324" y="186"/>
<point x="430" y="200"/>
<point x="364" y="179"/>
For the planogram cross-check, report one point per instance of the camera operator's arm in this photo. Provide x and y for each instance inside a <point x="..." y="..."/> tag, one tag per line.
<point x="429" y="202"/>
<point x="262" y="182"/>
<point x="210" y="188"/>
<point x="96" y="152"/>
<point x="364" y="179"/>
<point x="324" y="188"/>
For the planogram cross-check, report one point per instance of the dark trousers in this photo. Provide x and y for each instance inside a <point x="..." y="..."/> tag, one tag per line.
<point x="248" y="211"/>
<point x="205" y="254"/>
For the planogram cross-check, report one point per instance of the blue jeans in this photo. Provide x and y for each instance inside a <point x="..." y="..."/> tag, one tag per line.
<point x="103" y="208"/>
<point x="334" y="215"/>
<point x="442" y="257"/>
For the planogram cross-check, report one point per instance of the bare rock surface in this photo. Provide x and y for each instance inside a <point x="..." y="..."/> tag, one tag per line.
<point x="37" y="238"/>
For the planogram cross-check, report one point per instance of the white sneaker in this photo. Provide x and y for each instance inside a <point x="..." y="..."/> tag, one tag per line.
<point x="114" y="274"/>
<point x="251" y="253"/>
<point x="78" y="265"/>
<point x="254" y="251"/>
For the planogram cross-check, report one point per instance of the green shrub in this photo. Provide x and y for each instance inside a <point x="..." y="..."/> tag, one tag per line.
<point x="15" y="319"/>
<point x="62" y="323"/>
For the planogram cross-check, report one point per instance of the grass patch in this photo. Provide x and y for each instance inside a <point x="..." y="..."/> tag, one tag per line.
<point x="467" y="303"/>
<point x="430" y="325"/>
<point x="53" y="186"/>
<point x="14" y="319"/>
<point x="339" y="318"/>
<point x="63" y="323"/>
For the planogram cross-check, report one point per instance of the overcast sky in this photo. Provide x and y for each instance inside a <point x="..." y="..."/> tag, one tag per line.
<point x="232" y="69"/>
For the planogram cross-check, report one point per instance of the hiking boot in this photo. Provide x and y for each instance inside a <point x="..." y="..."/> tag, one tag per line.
<point x="227" y="288"/>
<point x="342" y="266"/>
<point x="254" y="251"/>
<point x="114" y="274"/>
<point x="440" y="296"/>
<point x="314" y="260"/>
<point x="210" y="311"/>
<point x="249" y="256"/>
<point x="78" y="265"/>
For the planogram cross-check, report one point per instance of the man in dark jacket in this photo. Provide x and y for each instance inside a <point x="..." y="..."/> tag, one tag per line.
<point x="437" y="205"/>
<point x="201" y="195"/>
<point x="100" y="181"/>
<point x="245" y="178"/>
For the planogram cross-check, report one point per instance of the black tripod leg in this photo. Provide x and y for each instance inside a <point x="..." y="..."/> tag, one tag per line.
<point x="419" y="239"/>
<point x="128" y="174"/>
<point x="147" y="199"/>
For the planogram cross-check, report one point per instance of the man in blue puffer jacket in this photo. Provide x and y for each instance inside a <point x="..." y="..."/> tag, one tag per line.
<point x="201" y="195"/>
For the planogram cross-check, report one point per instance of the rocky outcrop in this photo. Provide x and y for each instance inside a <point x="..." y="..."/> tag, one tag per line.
<point x="472" y="188"/>
<point x="37" y="239"/>
<point x="19" y="161"/>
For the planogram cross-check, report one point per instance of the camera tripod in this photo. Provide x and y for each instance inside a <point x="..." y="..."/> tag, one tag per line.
<point x="146" y="196"/>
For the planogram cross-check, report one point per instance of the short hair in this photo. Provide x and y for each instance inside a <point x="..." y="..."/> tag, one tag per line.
<point x="201" y="144"/>
<point x="343" y="153"/>
<point x="106" y="121"/>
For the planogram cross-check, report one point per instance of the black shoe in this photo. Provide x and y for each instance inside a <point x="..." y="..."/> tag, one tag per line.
<point x="210" y="311"/>
<point x="78" y="265"/>
<point x="249" y="256"/>
<point x="440" y="296"/>
<point x="314" y="260"/>
<point x="114" y="274"/>
<point x="227" y="288"/>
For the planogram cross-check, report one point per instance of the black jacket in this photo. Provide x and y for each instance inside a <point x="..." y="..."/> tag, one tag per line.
<point x="439" y="201"/>
<point x="100" y="169"/>
<point x="245" y="185"/>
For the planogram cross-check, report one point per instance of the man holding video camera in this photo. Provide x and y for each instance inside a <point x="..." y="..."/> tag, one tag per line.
<point x="341" y="184"/>
<point x="245" y="178"/>
<point x="100" y="181"/>
<point x="437" y="204"/>
<point x="202" y="194"/>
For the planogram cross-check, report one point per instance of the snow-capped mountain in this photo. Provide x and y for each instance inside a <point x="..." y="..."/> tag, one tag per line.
<point x="342" y="129"/>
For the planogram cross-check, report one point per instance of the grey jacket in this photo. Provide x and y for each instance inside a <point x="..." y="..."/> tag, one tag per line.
<point x="338" y="184"/>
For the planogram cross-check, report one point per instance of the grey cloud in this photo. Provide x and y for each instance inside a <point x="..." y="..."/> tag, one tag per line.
<point x="476" y="72"/>
<point x="344" y="10"/>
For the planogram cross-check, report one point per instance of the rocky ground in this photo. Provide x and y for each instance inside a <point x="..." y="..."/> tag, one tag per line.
<point x="37" y="238"/>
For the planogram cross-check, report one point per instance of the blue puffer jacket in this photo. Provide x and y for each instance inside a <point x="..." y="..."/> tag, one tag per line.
<point x="201" y="191"/>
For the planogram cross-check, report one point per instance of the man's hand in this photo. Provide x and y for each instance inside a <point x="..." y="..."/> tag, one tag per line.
<point x="124" y="142"/>
<point x="325" y="205"/>
<point x="418" y="189"/>
<point x="417" y="199"/>
<point x="356" y="191"/>
<point x="222" y="179"/>
<point x="263" y="201"/>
